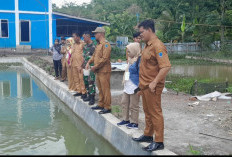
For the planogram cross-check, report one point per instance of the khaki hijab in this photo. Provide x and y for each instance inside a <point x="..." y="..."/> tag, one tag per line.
<point x="135" y="52"/>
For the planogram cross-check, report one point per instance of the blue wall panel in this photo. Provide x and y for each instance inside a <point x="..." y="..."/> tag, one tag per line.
<point x="7" y="5"/>
<point x="33" y="5"/>
<point x="54" y="28"/>
<point x="9" y="42"/>
<point x="39" y="31"/>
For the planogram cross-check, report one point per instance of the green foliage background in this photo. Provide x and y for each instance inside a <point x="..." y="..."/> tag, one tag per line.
<point x="170" y="16"/>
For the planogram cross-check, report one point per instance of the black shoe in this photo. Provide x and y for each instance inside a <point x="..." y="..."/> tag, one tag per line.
<point x="97" y="108"/>
<point x="143" y="138"/>
<point x="62" y="80"/>
<point x="154" y="146"/>
<point x="84" y="96"/>
<point x="87" y="98"/>
<point x="92" y="100"/>
<point x="104" y="111"/>
<point x="77" y="94"/>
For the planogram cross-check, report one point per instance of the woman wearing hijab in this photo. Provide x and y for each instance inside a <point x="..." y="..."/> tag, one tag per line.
<point x="130" y="100"/>
<point x="69" y="45"/>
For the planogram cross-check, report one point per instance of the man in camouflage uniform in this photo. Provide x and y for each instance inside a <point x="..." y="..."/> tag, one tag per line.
<point x="88" y="51"/>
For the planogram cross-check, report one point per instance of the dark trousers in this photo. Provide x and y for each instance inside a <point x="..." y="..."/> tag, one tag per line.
<point x="57" y="67"/>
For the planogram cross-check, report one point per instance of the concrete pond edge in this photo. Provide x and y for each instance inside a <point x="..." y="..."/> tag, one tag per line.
<point x="103" y="125"/>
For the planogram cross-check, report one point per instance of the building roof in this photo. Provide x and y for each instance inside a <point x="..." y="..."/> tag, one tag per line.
<point x="81" y="18"/>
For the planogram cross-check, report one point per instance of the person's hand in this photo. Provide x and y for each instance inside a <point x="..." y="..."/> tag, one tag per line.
<point x="87" y="66"/>
<point x="79" y="69"/>
<point x="152" y="86"/>
<point x="93" y="69"/>
<point x="139" y="93"/>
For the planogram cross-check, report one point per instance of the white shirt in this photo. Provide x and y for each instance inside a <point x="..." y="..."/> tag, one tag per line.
<point x="129" y="87"/>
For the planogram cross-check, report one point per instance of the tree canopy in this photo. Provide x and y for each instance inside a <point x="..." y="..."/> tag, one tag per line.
<point x="202" y="21"/>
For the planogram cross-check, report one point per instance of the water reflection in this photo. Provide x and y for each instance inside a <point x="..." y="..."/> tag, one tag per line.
<point x="5" y="88"/>
<point x="22" y="84"/>
<point x="216" y="72"/>
<point x="34" y="122"/>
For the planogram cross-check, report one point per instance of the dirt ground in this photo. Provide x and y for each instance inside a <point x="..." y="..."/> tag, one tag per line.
<point x="207" y="127"/>
<point x="193" y="125"/>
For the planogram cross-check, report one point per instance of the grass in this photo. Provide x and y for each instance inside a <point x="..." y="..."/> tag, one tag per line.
<point x="194" y="152"/>
<point x="45" y="65"/>
<point x="5" y="66"/>
<point x="179" y="83"/>
<point x="184" y="83"/>
<point x="229" y="89"/>
<point x="10" y="64"/>
<point x="179" y="59"/>
<point x="215" y="55"/>
<point x="116" y="109"/>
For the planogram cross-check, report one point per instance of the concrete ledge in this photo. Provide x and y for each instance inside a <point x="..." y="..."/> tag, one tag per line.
<point x="22" y="51"/>
<point x="104" y="125"/>
<point x="227" y="61"/>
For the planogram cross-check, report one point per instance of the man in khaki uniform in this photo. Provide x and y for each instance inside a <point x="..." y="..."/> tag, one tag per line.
<point x="102" y="68"/>
<point x="154" y="67"/>
<point x="76" y="63"/>
<point x="64" y="60"/>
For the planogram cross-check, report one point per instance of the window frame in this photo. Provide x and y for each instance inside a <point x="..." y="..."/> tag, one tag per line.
<point x="20" y="39"/>
<point x="1" y="28"/>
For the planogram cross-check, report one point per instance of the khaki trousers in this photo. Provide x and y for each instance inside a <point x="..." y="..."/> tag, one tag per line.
<point x="103" y="85"/>
<point x="64" y="69"/>
<point x="153" y="114"/>
<point x="130" y="103"/>
<point x="78" y="81"/>
<point x="70" y="79"/>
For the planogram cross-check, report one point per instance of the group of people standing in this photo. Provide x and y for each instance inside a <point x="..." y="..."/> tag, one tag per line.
<point x="144" y="76"/>
<point x="73" y="56"/>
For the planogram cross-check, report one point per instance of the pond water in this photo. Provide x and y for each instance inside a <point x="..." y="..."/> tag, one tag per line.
<point x="34" y="122"/>
<point x="215" y="72"/>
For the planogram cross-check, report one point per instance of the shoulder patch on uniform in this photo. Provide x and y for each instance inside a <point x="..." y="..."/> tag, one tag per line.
<point x="160" y="54"/>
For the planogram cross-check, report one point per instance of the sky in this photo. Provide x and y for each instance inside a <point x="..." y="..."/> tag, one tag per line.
<point x="79" y="2"/>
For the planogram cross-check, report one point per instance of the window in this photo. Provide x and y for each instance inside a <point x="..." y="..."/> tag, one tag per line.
<point x="4" y="31"/>
<point x="25" y="31"/>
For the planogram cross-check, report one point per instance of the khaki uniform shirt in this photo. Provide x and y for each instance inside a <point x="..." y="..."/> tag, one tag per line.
<point x="154" y="57"/>
<point x="77" y="54"/>
<point x="63" y="51"/>
<point x="101" y="57"/>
